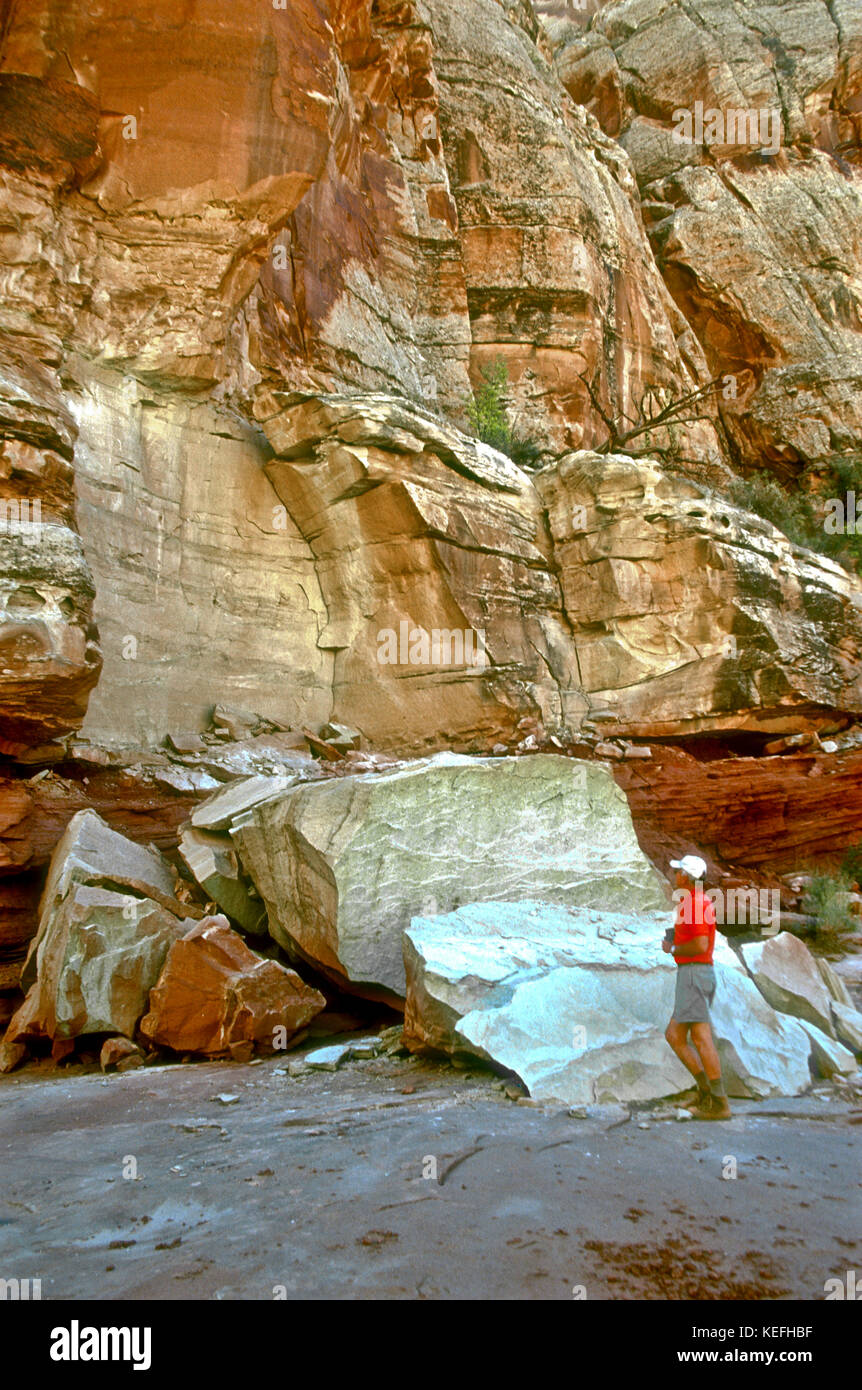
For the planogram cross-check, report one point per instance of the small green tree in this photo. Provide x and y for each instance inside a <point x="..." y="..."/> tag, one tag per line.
<point x="489" y="421"/>
<point x="487" y="409"/>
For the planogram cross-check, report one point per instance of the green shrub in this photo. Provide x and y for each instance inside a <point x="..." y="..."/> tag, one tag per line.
<point x="489" y="419"/>
<point x="794" y="514"/>
<point x="823" y="899"/>
<point x="851" y="864"/>
<point x="791" y="514"/>
<point x="524" y="452"/>
<point x="846" y="469"/>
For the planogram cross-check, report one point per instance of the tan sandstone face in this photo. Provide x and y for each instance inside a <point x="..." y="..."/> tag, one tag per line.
<point x="211" y="242"/>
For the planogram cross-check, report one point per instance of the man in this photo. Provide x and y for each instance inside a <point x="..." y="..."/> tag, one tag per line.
<point x="692" y="941"/>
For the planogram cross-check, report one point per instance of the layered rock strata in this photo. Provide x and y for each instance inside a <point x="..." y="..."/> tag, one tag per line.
<point x="691" y="615"/>
<point x="743" y="126"/>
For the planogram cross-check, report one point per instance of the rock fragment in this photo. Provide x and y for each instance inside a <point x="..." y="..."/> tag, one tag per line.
<point x="212" y="860"/>
<point x="91" y="852"/>
<point x="100" y="954"/>
<point x="214" y="992"/>
<point x="120" y="1054"/>
<point x="829" y="1056"/>
<point x="217" y="812"/>
<point x="787" y="975"/>
<point x="848" y="1026"/>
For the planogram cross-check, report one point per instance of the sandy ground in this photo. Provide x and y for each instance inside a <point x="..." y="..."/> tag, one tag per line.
<point x="315" y="1187"/>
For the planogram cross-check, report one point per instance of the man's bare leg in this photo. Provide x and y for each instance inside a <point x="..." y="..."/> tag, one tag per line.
<point x="701" y="1036"/>
<point x="677" y="1035"/>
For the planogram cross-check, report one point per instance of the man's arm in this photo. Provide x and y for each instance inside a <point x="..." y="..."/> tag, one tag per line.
<point x="697" y="946"/>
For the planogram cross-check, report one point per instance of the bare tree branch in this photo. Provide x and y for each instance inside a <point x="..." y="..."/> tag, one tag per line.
<point x="607" y="420"/>
<point x="617" y="440"/>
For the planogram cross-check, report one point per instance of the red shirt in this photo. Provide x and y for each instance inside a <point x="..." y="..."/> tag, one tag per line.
<point x="695" y="916"/>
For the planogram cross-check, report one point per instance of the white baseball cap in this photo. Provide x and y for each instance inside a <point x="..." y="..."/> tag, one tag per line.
<point x="691" y="864"/>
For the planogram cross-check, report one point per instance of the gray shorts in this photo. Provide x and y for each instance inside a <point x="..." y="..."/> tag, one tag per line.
<point x="695" y="991"/>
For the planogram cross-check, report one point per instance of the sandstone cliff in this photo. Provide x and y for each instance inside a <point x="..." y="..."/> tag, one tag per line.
<point x="252" y="267"/>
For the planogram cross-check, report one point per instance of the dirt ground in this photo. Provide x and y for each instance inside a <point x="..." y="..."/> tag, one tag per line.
<point x="398" y="1178"/>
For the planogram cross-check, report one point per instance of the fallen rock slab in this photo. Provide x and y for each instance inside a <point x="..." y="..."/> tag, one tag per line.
<point x="12" y="1054"/>
<point x="265" y="755"/>
<point x="217" y="812"/>
<point x="829" y="1057"/>
<point x="763" y="1053"/>
<point x="91" y="852"/>
<point x="212" y="860"/>
<point x="344" y="865"/>
<point x="848" y="1025"/>
<point x="120" y="1054"/>
<point x="575" y="1003"/>
<point x="98" y="959"/>
<point x="341" y="736"/>
<point x="239" y="723"/>
<point x="788" y="976"/>
<point x="322" y="1059"/>
<point x="849" y="971"/>
<point x="214" y="992"/>
<point x="108" y="914"/>
<point x="835" y="985"/>
<point x="330" y="1058"/>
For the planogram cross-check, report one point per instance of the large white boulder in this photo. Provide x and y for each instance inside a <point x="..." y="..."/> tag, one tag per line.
<point x="344" y="865"/>
<point x="763" y="1053"/>
<point x="575" y="1002"/>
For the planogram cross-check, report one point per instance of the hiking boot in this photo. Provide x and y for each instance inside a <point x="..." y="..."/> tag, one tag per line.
<point x="715" y="1108"/>
<point x="692" y="1096"/>
<point x="690" y="1100"/>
